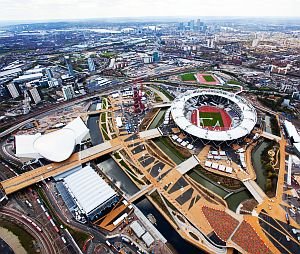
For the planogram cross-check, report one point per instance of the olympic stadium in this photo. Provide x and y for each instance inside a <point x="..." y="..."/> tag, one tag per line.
<point x="213" y="115"/>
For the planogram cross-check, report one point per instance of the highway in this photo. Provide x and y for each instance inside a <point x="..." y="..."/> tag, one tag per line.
<point x="43" y="237"/>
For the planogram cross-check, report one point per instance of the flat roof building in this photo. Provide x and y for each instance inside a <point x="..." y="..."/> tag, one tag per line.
<point x="90" y="192"/>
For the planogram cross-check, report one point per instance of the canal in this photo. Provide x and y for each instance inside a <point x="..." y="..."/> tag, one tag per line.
<point x="158" y="119"/>
<point x="258" y="167"/>
<point x="118" y="177"/>
<point x="116" y="174"/>
<point x="93" y="125"/>
<point x="178" y="243"/>
<point x="232" y="201"/>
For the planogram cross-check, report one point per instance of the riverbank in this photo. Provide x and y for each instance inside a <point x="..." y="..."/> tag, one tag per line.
<point x="12" y="240"/>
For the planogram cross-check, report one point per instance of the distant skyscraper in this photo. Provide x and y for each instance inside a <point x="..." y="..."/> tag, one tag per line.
<point x="155" y="56"/>
<point x="35" y="95"/>
<point x="181" y="26"/>
<point x="49" y="74"/>
<point x="192" y="25"/>
<point x="198" y="25"/>
<point x="68" y="92"/>
<point x="91" y="64"/>
<point x="69" y="66"/>
<point x="14" y="90"/>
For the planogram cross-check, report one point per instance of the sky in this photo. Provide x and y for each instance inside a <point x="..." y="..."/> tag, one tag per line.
<point x="83" y="9"/>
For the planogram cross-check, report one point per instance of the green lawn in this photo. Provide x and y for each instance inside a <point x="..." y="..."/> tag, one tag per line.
<point x="211" y="119"/>
<point x="209" y="78"/>
<point x="188" y="77"/>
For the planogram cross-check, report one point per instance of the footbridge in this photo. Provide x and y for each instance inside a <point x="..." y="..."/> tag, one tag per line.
<point x="34" y="176"/>
<point x="188" y="164"/>
<point x="162" y="105"/>
<point x="141" y="193"/>
<point x="255" y="190"/>
<point x="270" y="136"/>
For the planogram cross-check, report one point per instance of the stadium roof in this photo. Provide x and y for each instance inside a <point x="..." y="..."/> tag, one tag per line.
<point x="55" y="146"/>
<point x="89" y="189"/>
<point x="248" y="122"/>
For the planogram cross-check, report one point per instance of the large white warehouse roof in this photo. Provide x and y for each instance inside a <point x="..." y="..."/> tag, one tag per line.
<point x="89" y="189"/>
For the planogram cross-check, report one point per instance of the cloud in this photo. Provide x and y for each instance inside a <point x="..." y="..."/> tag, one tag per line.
<point x="77" y="9"/>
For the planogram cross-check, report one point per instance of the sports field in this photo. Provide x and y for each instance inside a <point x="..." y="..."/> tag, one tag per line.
<point x="188" y="77"/>
<point x="211" y="119"/>
<point x="209" y="78"/>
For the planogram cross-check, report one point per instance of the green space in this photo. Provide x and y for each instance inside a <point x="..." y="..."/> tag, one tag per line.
<point x="234" y="82"/>
<point x="26" y="240"/>
<point x="211" y="119"/>
<point x="209" y="78"/>
<point x="266" y="174"/>
<point x="108" y="54"/>
<point x="188" y="77"/>
<point x="166" y="93"/>
<point x="274" y="126"/>
<point x="130" y="172"/>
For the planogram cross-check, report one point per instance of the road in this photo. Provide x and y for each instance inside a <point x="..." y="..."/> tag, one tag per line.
<point x="43" y="237"/>
<point x="98" y="236"/>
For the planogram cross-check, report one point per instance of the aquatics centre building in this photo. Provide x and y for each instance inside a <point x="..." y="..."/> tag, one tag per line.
<point x="213" y="115"/>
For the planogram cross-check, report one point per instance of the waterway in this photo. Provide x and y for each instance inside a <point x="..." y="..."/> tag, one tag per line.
<point x="232" y="201"/>
<point x="168" y="151"/>
<point x="179" y="244"/>
<point x="5" y="248"/>
<point x="95" y="133"/>
<point x="258" y="167"/>
<point x="112" y="170"/>
<point x="157" y="119"/>
<point x="268" y="124"/>
<point x="118" y="177"/>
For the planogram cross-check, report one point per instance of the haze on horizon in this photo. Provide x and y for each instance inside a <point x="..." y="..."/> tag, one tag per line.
<point x="86" y="9"/>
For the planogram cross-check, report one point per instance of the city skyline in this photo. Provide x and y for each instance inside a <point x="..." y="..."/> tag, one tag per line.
<point x="75" y="9"/>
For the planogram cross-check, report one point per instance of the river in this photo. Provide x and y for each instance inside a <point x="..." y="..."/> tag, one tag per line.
<point x="157" y="119"/>
<point x="259" y="169"/>
<point x="116" y="174"/>
<point x="118" y="177"/>
<point x="5" y="248"/>
<point x="179" y="244"/>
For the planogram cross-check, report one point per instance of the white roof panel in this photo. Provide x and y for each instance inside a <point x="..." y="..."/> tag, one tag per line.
<point x="79" y="128"/>
<point x="89" y="189"/>
<point x="24" y="146"/>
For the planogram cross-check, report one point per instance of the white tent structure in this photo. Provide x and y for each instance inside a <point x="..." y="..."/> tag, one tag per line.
<point x="55" y="146"/>
<point x="88" y="189"/>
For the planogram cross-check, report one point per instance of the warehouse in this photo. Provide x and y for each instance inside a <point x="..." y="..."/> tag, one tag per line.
<point x="89" y="191"/>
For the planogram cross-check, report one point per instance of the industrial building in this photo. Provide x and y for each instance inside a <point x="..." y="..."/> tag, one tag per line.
<point x="14" y="90"/>
<point x="85" y="192"/>
<point x="68" y="92"/>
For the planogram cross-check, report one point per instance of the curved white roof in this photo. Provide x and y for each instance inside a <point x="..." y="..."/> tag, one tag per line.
<point x="248" y="122"/>
<point x="56" y="146"/>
